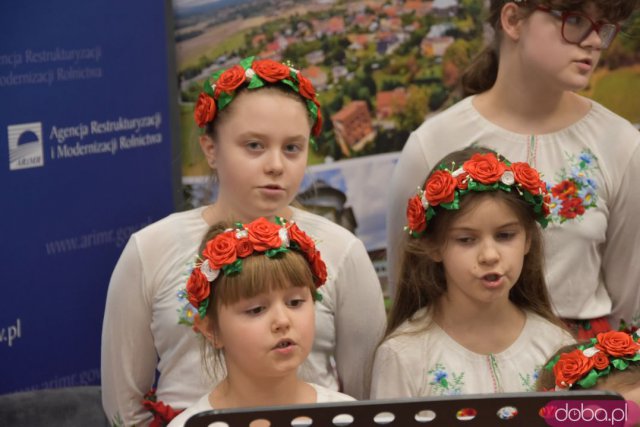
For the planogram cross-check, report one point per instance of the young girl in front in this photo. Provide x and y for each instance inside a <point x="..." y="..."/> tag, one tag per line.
<point x="523" y="103"/>
<point x="258" y="117"/>
<point x="254" y="288"/>
<point x="471" y="312"/>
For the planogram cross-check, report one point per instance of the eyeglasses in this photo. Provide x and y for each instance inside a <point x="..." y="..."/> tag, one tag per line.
<point x="576" y="27"/>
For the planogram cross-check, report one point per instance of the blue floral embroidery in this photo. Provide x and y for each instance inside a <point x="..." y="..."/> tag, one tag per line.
<point x="444" y="384"/>
<point x="186" y="312"/>
<point x="575" y="190"/>
<point x="528" y="381"/>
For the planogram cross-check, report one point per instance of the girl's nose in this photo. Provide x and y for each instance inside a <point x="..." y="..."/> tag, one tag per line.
<point x="592" y="40"/>
<point x="488" y="253"/>
<point x="281" y="320"/>
<point x="274" y="164"/>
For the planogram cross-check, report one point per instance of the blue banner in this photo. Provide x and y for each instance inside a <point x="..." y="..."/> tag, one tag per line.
<point x="86" y="158"/>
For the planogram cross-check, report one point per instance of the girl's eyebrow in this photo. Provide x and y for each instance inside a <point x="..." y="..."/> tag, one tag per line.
<point x="251" y="134"/>
<point x="258" y="135"/>
<point x="296" y="138"/>
<point x="468" y="228"/>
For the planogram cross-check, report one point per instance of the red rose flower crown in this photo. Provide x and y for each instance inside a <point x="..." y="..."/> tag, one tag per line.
<point x="602" y="355"/>
<point x="224" y="254"/>
<point x="482" y="172"/>
<point x="220" y="89"/>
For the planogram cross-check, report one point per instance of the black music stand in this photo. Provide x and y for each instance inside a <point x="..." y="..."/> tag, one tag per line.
<point x="489" y="409"/>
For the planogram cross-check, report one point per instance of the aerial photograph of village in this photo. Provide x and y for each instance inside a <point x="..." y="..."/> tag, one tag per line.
<point x="380" y="68"/>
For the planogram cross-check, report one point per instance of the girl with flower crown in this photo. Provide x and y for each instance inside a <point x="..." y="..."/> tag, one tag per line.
<point x="610" y="361"/>
<point x="471" y="313"/>
<point x="522" y="102"/>
<point x="259" y="118"/>
<point x="254" y="288"/>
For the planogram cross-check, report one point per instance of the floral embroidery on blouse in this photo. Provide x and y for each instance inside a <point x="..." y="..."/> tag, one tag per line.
<point x="632" y="326"/>
<point x="528" y="381"/>
<point x="186" y="312"/>
<point x="117" y="421"/>
<point x="576" y="189"/>
<point x="443" y="383"/>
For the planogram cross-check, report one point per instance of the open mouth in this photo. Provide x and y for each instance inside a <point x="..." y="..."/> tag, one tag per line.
<point x="284" y="344"/>
<point x="585" y="61"/>
<point x="493" y="277"/>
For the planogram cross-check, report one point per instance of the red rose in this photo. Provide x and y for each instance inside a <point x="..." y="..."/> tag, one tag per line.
<point x="484" y="168"/>
<point x="318" y="268"/>
<point x="221" y="250"/>
<point x="527" y="176"/>
<point x="264" y="234"/>
<point x="270" y="70"/>
<point x="205" y="110"/>
<point x="571" y="208"/>
<point x="244" y="248"/>
<point x="230" y="79"/>
<point x="600" y="360"/>
<point x="302" y="239"/>
<point x="416" y="215"/>
<point x="564" y="189"/>
<point x="440" y="188"/>
<point x="461" y="181"/>
<point x="317" y="126"/>
<point x="571" y="367"/>
<point x="198" y="287"/>
<point x="617" y="344"/>
<point x="306" y="87"/>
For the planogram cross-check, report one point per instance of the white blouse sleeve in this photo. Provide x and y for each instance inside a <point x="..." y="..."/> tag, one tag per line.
<point x="408" y="174"/>
<point x="128" y="354"/>
<point x="621" y="267"/>
<point x="360" y="320"/>
<point x="390" y="378"/>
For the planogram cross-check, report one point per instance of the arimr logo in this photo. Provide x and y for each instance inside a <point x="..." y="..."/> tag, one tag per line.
<point x="25" y="146"/>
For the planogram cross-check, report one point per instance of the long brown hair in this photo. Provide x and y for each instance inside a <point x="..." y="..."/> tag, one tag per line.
<point x="482" y="72"/>
<point x="422" y="280"/>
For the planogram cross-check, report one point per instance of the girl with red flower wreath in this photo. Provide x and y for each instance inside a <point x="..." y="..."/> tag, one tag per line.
<point x="610" y="361"/>
<point x="521" y="96"/>
<point x="259" y="119"/>
<point x="471" y="312"/>
<point x="253" y="287"/>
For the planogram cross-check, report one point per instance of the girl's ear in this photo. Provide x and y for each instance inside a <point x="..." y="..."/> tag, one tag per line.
<point x="206" y="329"/>
<point x="434" y="255"/>
<point x="527" y="244"/>
<point x="208" y="147"/>
<point x="511" y="20"/>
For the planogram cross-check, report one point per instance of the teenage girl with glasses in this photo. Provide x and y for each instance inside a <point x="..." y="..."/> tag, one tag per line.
<point x="523" y="104"/>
